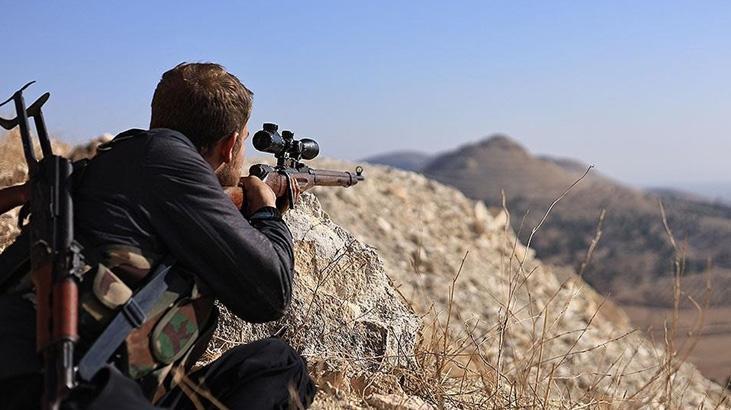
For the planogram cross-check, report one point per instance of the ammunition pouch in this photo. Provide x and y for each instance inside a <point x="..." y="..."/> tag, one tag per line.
<point x="179" y="322"/>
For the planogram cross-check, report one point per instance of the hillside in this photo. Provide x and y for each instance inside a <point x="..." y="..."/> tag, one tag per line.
<point x="457" y="264"/>
<point x="709" y="191"/>
<point x="634" y="247"/>
<point x="407" y="160"/>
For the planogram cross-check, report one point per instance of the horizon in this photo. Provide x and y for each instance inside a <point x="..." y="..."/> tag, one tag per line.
<point x="639" y="90"/>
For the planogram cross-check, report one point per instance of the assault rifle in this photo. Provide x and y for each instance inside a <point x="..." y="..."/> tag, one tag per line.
<point x="289" y="169"/>
<point x="55" y="259"/>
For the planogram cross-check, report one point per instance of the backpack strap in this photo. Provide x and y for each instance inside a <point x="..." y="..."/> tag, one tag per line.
<point x="130" y="316"/>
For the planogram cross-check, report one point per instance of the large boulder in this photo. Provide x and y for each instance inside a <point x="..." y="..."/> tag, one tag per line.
<point x="344" y="305"/>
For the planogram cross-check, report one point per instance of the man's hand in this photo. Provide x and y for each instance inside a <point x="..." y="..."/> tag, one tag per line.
<point x="294" y="193"/>
<point x="257" y="195"/>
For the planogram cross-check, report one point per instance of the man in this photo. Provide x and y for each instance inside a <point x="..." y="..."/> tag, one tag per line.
<point x="151" y="195"/>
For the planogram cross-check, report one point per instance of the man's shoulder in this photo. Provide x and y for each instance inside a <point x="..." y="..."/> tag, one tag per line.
<point x="154" y="147"/>
<point x="166" y="148"/>
<point x="152" y="138"/>
<point x="166" y="136"/>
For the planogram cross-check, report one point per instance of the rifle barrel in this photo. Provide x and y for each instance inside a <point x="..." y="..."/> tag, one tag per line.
<point x="306" y="178"/>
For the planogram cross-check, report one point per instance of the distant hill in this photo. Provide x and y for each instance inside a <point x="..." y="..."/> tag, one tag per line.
<point x="406" y="160"/>
<point x="710" y="191"/>
<point x="634" y="248"/>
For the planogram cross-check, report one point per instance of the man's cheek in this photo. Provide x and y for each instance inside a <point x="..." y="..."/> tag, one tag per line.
<point x="229" y="174"/>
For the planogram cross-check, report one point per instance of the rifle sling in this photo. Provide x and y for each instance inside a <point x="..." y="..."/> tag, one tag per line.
<point x="132" y="315"/>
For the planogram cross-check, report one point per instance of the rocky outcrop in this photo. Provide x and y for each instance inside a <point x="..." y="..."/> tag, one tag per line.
<point x="88" y="150"/>
<point x="344" y="306"/>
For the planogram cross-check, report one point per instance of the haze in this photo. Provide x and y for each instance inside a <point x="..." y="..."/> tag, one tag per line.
<point x="641" y="89"/>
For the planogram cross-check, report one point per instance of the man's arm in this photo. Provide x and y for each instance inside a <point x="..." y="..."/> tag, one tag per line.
<point x="249" y="268"/>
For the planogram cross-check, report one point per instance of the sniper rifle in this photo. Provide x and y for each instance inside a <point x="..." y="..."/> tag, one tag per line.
<point x="289" y="170"/>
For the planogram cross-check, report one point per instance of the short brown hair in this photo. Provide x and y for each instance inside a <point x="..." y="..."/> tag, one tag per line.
<point x="203" y="101"/>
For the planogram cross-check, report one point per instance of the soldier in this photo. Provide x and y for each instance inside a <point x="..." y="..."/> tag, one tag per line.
<point x="154" y="194"/>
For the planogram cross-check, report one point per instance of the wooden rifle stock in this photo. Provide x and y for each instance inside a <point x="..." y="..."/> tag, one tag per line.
<point x="306" y="178"/>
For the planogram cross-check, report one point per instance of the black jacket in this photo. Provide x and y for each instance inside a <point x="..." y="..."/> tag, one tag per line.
<point x="154" y="191"/>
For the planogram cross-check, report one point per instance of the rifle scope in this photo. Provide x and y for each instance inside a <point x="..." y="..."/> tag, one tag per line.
<point x="284" y="145"/>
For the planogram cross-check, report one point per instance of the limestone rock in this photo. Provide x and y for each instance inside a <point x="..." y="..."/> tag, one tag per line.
<point x="481" y="218"/>
<point x="8" y="228"/>
<point x="88" y="150"/>
<point x="344" y="305"/>
<point x="397" y="402"/>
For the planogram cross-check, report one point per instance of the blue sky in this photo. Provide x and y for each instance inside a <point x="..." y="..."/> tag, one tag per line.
<point x="641" y="89"/>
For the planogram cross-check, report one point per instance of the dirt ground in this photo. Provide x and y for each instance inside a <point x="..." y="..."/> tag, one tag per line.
<point x="710" y="352"/>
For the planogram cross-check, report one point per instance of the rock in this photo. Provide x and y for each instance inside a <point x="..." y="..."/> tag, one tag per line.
<point x="482" y="217"/>
<point x="397" y="402"/>
<point x="8" y="228"/>
<point x="383" y="225"/>
<point x="499" y="220"/>
<point x="88" y="150"/>
<point x="344" y="305"/>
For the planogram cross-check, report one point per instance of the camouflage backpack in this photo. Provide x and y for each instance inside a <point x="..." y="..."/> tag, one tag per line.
<point x="178" y="326"/>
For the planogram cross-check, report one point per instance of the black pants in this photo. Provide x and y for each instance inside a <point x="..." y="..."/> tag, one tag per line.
<point x="266" y="374"/>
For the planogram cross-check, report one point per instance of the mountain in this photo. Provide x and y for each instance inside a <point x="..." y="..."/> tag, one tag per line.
<point x="407" y="160"/>
<point x="711" y="191"/>
<point x="634" y="248"/>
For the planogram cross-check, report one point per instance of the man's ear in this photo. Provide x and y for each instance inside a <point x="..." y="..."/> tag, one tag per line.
<point x="227" y="147"/>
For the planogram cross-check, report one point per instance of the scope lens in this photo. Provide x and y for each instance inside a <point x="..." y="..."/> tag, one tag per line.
<point x="267" y="141"/>
<point x="310" y="148"/>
